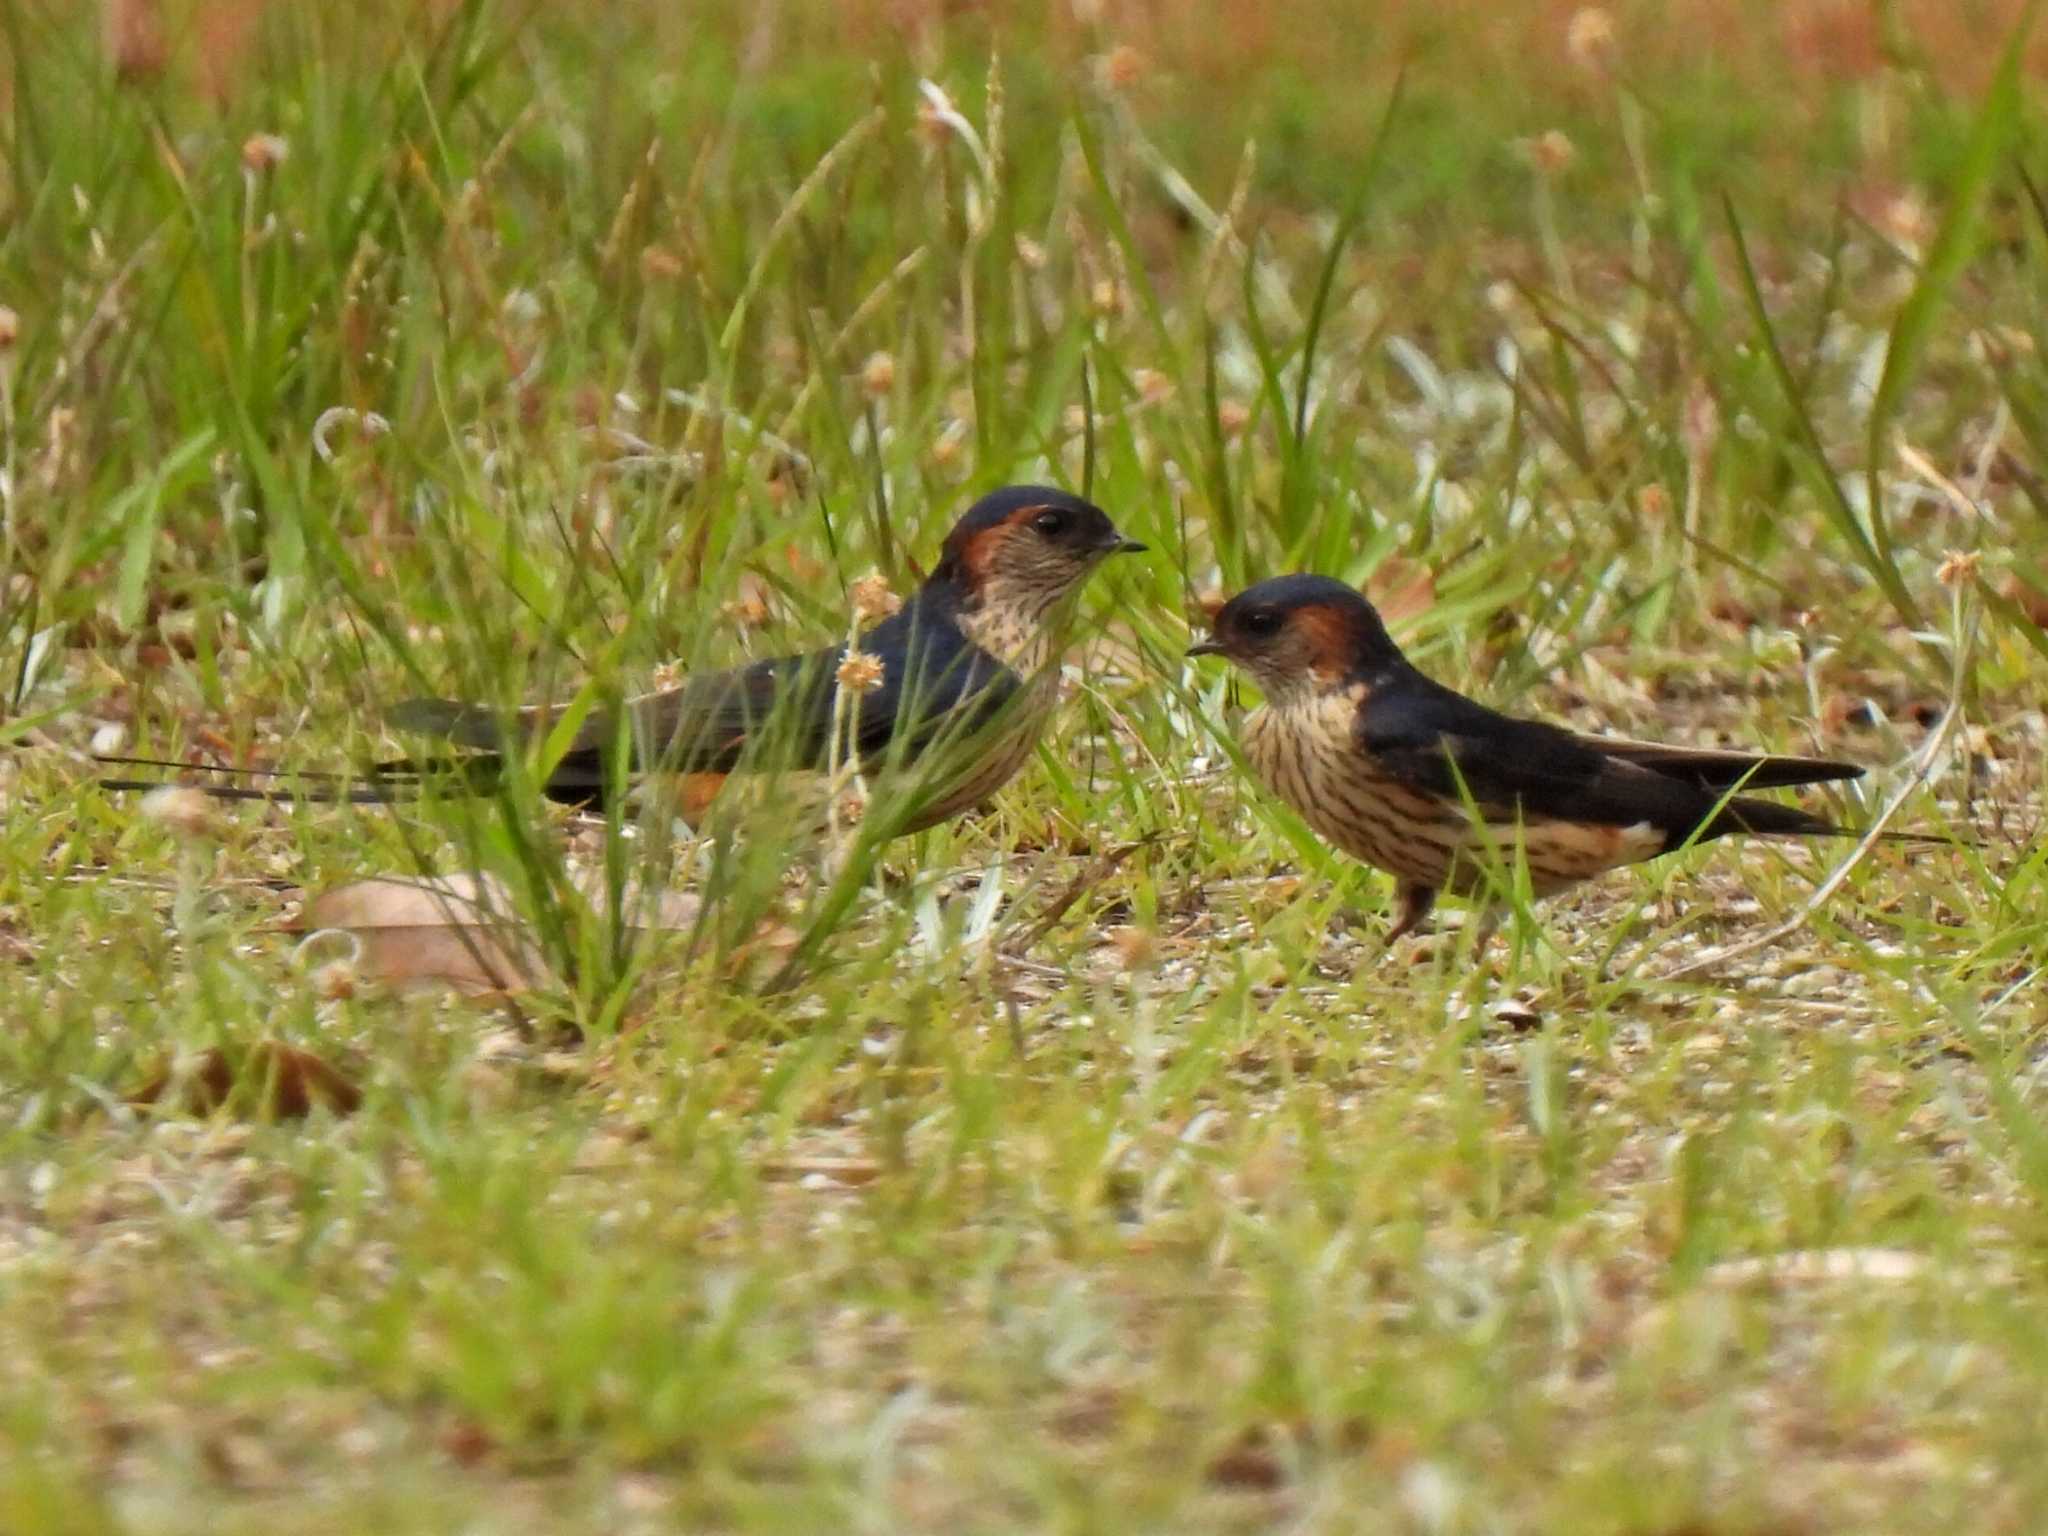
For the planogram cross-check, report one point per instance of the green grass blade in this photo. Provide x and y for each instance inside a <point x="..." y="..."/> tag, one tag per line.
<point x="1834" y="502"/>
<point x="1955" y="242"/>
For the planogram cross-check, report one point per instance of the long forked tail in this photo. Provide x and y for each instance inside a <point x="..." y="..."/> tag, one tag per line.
<point x="385" y="783"/>
<point x="466" y="725"/>
<point x="1769" y="818"/>
<point x="1721" y="769"/>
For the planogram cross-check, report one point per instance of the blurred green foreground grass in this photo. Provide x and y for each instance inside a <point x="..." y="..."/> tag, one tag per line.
<point x="1671" y="369"/>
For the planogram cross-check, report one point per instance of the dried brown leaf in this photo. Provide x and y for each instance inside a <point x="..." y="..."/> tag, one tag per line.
<point x="454" y="931"/>
<point x="1401" y="589"/>
<point x="132" y="32"/>
<point x="1250" y="1461"/>
<point x="2032" y="601"/>
<point x="460" y="930"/>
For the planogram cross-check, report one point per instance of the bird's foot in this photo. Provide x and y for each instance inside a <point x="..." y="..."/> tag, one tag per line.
<point x="1416" y="901"/>
<point x="1489" y="925"/>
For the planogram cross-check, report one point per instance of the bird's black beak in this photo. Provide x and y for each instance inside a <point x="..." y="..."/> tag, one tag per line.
<point x="1123" y="546"/>
<point x="1209" y="647"/>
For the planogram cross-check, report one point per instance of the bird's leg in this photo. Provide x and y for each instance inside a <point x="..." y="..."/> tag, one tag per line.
<point x="1489" y="925"/>
<point x="1416" y="900"/>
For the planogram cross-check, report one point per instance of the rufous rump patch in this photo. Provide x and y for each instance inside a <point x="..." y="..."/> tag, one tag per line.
<point x="694" y="794"/>
<point x="1568" y="850"/>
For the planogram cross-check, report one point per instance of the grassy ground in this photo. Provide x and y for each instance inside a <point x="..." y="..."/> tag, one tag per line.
<point x="1682" y="377"/>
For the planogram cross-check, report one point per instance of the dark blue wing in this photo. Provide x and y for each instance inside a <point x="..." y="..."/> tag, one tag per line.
<point x="1431" y="740"/>
<point x="777" y="713"/>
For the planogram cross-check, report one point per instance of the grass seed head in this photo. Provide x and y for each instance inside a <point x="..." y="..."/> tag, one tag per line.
<point x="658" y="264"/>
<point x="1959" y="568"/>
<point x="947" y="446"/>
<point x="133" y="33"/>
<point x="860" y="672"/>
<point x="263" y="152"/>
<point x="1137" y="949"/>
<point x="184" y="810"/>
<point x="1549" y="154"/>
<point x="1121" y="68"/>
<point x="335" y="981"/>
<point x="1589" y="37"/>
<point x="878" y="375"/>
<point x="873" y="598"/>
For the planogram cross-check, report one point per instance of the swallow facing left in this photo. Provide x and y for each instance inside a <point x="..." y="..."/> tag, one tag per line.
<point x="1382" y="761"/>
<point x="947" y="696"/>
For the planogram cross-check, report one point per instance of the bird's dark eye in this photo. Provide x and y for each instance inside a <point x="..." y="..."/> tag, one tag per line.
<point x="1052" y="522"/>
<point x="1260" y="621"/>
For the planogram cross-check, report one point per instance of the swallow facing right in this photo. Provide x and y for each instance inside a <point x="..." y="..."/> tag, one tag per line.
<point x="1391" y="766"/>
<point x="944" y="700"/>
